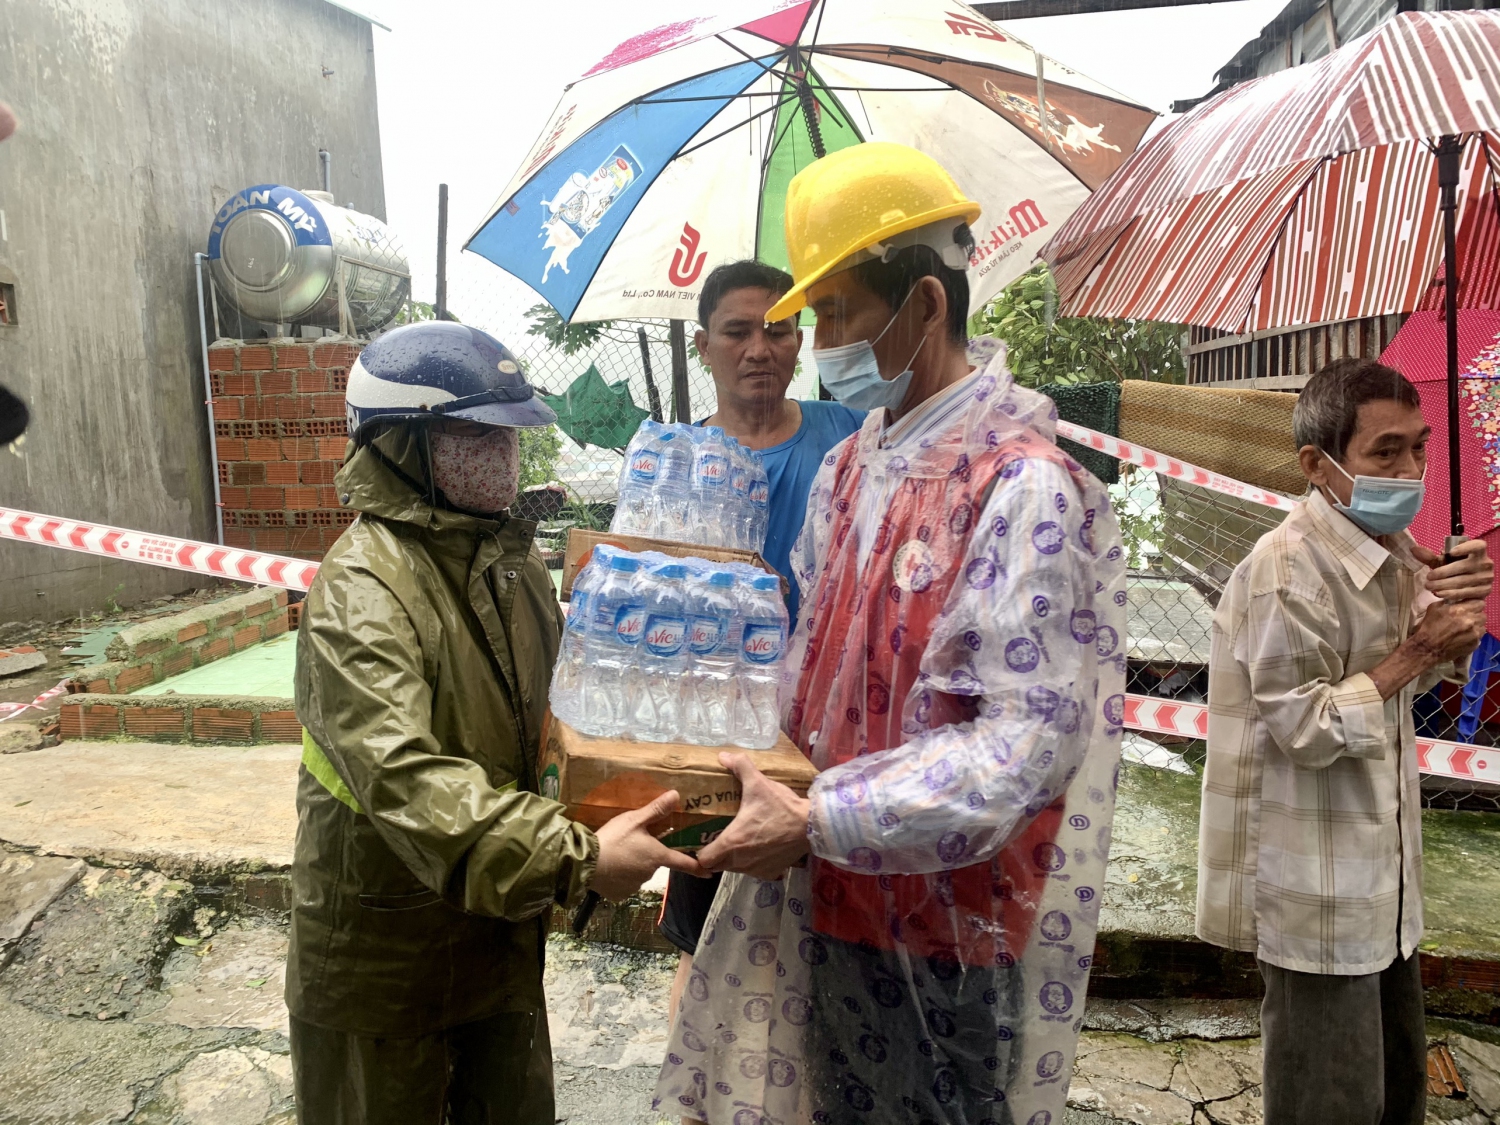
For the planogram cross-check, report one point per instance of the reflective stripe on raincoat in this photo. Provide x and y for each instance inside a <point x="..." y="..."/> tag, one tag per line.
<point x="426" y="864"/>
<point x="958" y="679"/>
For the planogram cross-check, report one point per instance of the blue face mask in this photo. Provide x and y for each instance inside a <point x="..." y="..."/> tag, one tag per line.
<point x="1381" y="505"/>
<point x="852" y="373"/>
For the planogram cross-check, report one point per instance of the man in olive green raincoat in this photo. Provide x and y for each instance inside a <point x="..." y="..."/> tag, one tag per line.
<point x="426" y="862"/>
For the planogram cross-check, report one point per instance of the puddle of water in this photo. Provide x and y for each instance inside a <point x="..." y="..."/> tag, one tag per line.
<point x="263" y="669"/>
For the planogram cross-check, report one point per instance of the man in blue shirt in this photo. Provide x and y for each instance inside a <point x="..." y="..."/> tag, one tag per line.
<point x="752" y="364"/>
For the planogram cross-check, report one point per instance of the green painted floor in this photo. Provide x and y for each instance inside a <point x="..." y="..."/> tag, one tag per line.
<point x="263" y="669"/>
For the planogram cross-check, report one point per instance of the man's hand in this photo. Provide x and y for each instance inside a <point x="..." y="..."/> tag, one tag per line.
<point x="767" y="835"/>
<point x="629" y="850"/>
<point x="1451" y="630"/>
<point x="1447" y="631"/>
<point x="1470" y="576"/>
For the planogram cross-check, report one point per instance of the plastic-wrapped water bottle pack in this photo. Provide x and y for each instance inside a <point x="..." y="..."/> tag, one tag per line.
<point x="692" y="484"/>
<point x="660" y="649"/>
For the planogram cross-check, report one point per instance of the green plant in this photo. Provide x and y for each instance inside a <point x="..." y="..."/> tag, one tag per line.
<point x="539" y="452"/>
<point x="1046" y="349"/>
<point x="1139" y="512"/>
<point x="418" y="311"/>
<point x="569" y="337"/>
<point x="582" y="515"/>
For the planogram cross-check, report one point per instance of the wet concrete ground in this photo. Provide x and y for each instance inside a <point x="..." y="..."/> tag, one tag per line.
<point x="128" y="994"/>
<point x="135" y="998"/>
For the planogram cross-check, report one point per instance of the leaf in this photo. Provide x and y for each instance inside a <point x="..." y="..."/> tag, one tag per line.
<point x="256" y="983"/>
<point x="188" y="941"/>
<point x="25" y="802"/>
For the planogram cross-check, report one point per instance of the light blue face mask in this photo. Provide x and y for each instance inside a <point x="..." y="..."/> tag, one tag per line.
<point x="1381" y="505"/>
<point x="852" y="373"/>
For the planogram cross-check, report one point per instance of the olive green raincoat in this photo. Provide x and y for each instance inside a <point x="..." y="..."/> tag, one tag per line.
<point x="426" y="864"/>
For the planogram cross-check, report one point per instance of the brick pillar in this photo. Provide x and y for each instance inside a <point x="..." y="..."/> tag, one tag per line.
<point x="279" y="421"/>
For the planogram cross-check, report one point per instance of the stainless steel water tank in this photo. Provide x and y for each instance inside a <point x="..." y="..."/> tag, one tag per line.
<point x="275" y="253"/>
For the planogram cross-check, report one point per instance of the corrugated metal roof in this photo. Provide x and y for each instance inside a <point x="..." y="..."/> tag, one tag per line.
<point x="1309" y="29"/>
<point x="353" y="11"/>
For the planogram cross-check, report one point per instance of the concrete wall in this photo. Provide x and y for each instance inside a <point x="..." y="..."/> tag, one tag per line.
<point x="138" y="119"/>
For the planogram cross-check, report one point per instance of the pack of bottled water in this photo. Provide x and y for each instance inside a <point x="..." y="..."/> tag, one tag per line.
<point x="661" y="649"/>
<point x="692" y="484"/>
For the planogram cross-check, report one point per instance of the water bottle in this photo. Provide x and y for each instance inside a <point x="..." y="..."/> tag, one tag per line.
<point x="617" y="620"/>
<point x="763" y="643"/>
<point x="711" y="469"/>
<point x="566" y="694"/>
<point x="656" y="714"/>
<point x="737" y="523"/>
<point x="635" y="509"/>
<point x="714" y="631"/>
<point x="674" y="487"/>
<point x="759" y="518"/>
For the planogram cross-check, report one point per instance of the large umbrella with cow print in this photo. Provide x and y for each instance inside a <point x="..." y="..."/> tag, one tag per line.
<point x="673" y="154"/>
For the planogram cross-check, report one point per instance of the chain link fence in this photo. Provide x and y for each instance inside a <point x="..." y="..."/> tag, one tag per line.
<point x="1184" y="540"/>
<point x="633" y="359"/>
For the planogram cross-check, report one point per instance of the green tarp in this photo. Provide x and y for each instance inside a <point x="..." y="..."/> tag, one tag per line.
<point x="593" y="412"/>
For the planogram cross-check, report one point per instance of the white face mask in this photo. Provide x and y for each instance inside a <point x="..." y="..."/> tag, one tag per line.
<point x="1381" y="505"/>
<point x="852" y="373"/>
<point x="478" y="474"/>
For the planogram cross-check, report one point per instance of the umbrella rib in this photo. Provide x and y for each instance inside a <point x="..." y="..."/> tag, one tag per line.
<point x="737" y="125"/>
<point x="844" y="121"/>
<point x="837" y="51"/>
<point x="768" y="68"/>
<point x="646" y="99"/>
<point x="771" y="151"/>
<point x="817" y="27"/>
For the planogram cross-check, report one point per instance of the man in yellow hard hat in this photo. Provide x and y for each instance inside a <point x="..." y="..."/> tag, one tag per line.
<point x="911" y="942"/>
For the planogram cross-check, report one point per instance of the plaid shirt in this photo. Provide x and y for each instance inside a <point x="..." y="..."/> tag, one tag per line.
<point x="1310" y="842"/>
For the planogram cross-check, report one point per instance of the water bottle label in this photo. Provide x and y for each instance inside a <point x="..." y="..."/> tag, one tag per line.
<point x="630" y="623"/>
<point x="760" y="494"/>
<point x="739" y="482"/>
<point x="762" y="643"/>
<point x="665" y="635"/>
<point x="706" y="634"/>
<point x="643" y="466"/>
<point x="711" y="471"/>
<point x="578" y="611"/>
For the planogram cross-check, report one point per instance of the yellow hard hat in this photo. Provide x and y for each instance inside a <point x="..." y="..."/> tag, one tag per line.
<point x="857" y="196"/>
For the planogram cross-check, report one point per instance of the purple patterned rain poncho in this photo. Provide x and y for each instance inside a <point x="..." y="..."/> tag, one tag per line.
<point x="958" y="678"/>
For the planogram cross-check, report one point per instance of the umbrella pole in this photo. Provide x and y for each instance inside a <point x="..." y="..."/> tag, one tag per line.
<point x="1449" y="151"/>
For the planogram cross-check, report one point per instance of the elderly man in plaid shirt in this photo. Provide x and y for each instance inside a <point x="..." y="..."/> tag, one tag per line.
<point x="1310" y="844"/>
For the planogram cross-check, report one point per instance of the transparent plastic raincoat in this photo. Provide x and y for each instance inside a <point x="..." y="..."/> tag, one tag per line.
<point x="958" y="678"/>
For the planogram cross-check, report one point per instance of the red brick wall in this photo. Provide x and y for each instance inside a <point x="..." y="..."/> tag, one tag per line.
<point x="279" y="422"/>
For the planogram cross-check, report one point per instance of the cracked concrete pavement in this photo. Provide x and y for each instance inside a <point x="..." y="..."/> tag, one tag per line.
<point x="134" y="998"/>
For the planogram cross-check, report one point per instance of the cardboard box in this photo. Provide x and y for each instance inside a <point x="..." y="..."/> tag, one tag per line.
<point x="581" y="544"/>
<point x="599" y="778"/>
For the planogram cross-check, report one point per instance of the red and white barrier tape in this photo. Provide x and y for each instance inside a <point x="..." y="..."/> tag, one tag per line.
<point x="1142" y="712"/>
<point x="158" y="550"/>
<point x="1434" y="756"/>
<point x="1172" y="467"/>
<point x="11" y="710"/>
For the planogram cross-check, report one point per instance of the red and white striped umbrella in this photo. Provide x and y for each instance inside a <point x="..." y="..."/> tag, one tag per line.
<point x="1309" y="195"/>
<point x="1305" y="196"/>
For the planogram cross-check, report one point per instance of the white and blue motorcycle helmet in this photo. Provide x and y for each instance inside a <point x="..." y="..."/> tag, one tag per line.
<point x="439" y="369"/>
